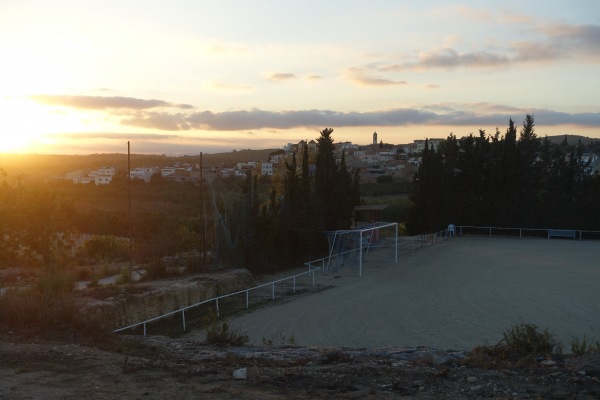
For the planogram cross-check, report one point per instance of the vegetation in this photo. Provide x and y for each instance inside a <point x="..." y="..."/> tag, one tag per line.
<point x="503" y="181"/>
<point x="524" y="345"/>
<point x="222" y="334"/>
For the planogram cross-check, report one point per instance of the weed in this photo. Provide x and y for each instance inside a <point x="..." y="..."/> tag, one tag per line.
<point x="584" y="346"/>
<point x="522" y="345"/>
<point x="32" y="311"/>
<point x="124" y="277"/>
<point x="222" y="334"/>
<point x="292" y="339"/>
<point x="278" y="339"/>
<point x="526" y="341"/>
<point x="55" y="281"/>
<point x="93" y="282"/>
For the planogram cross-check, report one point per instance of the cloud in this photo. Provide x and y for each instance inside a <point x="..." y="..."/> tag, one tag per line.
<point x="558" y="42"/>
<point x="314" y="77"/>
<point x="361" y="76"/>
<point x="471" y="114"/>
<point x="451" y="59"/>
<point x="158" y="120"/>
<point x="259" y="119"/>
<point x="103" y="103"/>
<point x="281" y="76"/>
<point x="113" y="135"/>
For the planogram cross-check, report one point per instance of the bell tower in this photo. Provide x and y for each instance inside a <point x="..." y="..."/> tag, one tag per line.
<point x="374" y="138"/>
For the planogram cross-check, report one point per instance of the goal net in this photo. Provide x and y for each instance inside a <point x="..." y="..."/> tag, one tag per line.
<point x="353" y="247"/>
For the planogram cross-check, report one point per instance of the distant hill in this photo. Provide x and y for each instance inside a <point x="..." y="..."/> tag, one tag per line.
<point x="41" y="166"/>
<point x="572" y="139"/>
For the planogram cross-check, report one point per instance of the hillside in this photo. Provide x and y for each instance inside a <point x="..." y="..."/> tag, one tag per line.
<point x="41" y="166"/>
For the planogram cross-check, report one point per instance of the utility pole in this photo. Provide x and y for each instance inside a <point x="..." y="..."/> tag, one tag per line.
<point x="129" y="208"/>
<point x="203" y="212"/>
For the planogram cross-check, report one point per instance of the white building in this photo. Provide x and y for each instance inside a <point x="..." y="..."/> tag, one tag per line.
<point x="143" y="173"/>
<point x="166" y="171"/>
<point x="370" y="158"/>
<point x="103" y="175"/>
<point x="420" y="144"/>
<point x="267" y="168"/>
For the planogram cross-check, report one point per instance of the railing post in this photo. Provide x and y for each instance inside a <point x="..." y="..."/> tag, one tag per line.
<point x="294" y="284"/>
<point x="144" y="329"/>
<point x="313" y="277"/>
<point x="247" y="299"/>
<point x="183" y="318"/>
<point x="217" y="303"/>
<point x="273" y="295"/>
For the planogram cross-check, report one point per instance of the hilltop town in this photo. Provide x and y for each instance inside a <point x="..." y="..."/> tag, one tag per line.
<point x="376" y="161"/>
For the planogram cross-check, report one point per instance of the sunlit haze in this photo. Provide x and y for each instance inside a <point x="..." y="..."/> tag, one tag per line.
<point x="181" y="77"/>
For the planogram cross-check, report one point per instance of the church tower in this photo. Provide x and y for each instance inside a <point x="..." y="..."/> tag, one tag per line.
<point x="374" y="138"/>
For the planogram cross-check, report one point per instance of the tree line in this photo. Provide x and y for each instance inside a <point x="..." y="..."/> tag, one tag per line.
<point x="516" y="180"/>
<point x="289" y="227"/>
<point x="254" y="222"/>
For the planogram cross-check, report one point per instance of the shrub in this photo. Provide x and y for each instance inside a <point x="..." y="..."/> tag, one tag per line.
<point x="156" y="269"/>
<point x="55" y="282"/>
<point x="124" y="277"/>
<point x="522" y="344"/>
<point x="584" y="346"/>
<point x="221" y="334"/>
<point x="34" y="312"/>
<point x="526" y="341"/>
<point x="279" y="339"/>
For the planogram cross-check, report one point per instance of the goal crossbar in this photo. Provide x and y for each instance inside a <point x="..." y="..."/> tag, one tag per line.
<point x="361" y="239"/>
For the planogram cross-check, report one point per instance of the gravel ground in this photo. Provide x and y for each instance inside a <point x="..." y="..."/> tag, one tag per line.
<point x="458" y="294"/>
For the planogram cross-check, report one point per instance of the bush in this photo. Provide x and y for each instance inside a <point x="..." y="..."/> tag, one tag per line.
<point x="525" y="341"/>
<point x="221" y="334"/>
<point x="55" y="282"/>
<point x="584" y="346"/>
<point x="522" y="344"/>
<point x="124" y="277"/>
<point x="34" y="312"/>
<point x="156" y="269"/>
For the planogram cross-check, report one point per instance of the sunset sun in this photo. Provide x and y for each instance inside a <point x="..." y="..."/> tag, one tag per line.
<point x="25" y="124"/>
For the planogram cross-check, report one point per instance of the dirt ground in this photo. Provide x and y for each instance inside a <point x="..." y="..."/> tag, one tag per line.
<point x="458" y="294"/>
<point x="159" y="368"/>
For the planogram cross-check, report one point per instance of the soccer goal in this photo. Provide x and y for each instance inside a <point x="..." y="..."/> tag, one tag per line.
<point x="351" y="247"/>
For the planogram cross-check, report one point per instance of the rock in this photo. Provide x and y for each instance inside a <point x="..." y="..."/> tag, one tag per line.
<point x="241" y="373"/>
<point x="245" y="373"/>
<point x="548" y="363"/>
<point x="472" y="379"/>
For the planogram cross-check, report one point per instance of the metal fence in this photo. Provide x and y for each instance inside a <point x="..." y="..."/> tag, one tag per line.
<point x="291" y="281"/>
<point x="490" y="231"/>
<point x="404" y="245"/>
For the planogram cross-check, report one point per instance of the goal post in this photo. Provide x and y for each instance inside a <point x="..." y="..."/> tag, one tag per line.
<point x="351" y="247"/>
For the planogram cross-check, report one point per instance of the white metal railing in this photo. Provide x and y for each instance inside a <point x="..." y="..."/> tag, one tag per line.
<point x="527" y="232"/>
<point x="310" y="273"/>
<point x="404" y="244"/>
<point x="407" y="243"/>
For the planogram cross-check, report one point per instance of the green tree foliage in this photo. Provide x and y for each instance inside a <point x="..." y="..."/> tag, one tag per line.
<point x="293" y="225"/>
<point x="504" y="181"/>
<point x="107" y="248"/>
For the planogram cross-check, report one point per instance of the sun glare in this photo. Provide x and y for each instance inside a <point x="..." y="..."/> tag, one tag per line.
<point x="24" y="124"/>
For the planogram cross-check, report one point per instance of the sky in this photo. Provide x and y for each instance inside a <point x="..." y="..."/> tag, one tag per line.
<point x="188" y="76"/>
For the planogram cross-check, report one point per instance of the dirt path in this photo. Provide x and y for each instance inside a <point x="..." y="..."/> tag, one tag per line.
<point x="456" y="295"/>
